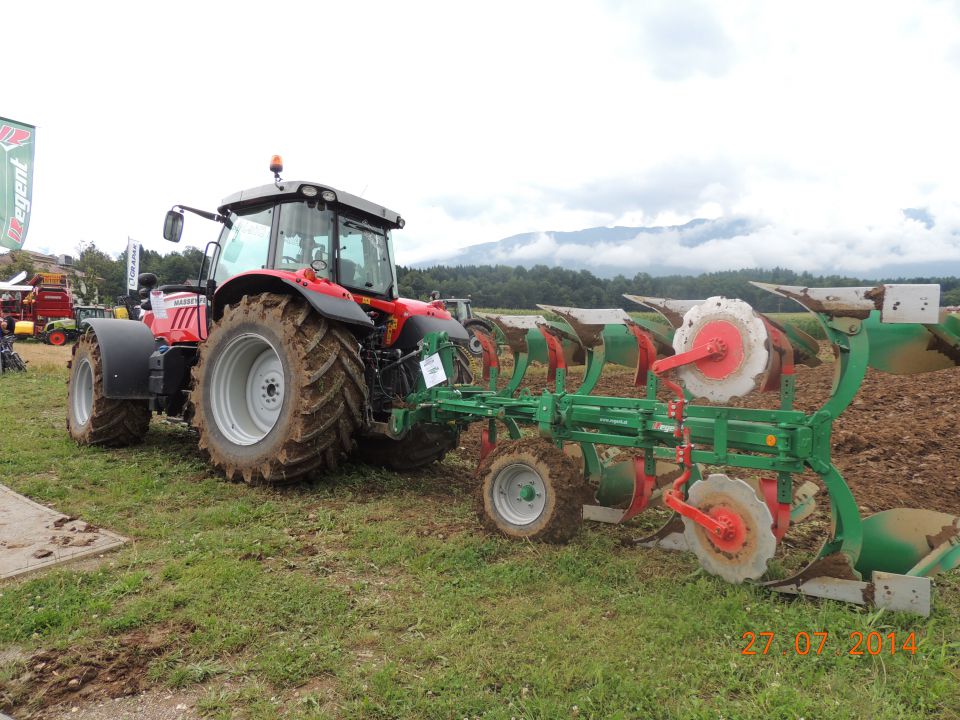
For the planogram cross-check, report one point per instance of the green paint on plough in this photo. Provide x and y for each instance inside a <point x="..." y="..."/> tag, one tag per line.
<point x="687" y="367"/>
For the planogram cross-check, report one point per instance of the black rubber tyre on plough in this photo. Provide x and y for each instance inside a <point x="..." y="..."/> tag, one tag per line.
<point x="531" y="490"/>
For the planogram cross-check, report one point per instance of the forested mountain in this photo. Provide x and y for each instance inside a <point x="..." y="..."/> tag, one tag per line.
<point x="517" y="287"/>
<point x="596" y="248"/>
<point x="695" y="247"/>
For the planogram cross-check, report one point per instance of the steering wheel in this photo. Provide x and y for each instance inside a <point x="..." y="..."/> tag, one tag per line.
<point x="294" y="260"/>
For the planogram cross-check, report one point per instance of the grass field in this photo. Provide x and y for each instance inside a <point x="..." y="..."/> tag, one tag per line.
<point x="375" y="595"/>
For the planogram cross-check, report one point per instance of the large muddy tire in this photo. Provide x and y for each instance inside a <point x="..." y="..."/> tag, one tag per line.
<point x="93" y="419"/>
<point x="531" y="490"/>
<point x="278" y="391"/>
<point x="423" y="445"/>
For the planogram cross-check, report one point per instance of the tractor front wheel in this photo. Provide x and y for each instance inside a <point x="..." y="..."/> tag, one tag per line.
<point x="93" y="419"/>
<point x="530" y="489"/>
<point x="56" y="337"/>
<point x="278" y="391"/>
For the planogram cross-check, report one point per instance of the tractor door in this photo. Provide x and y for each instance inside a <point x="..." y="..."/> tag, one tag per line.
<point x="365" y="259"/>
<point x="244" y="243"/>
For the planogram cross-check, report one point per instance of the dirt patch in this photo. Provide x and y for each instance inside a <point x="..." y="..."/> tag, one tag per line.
<point x="75" y="676"/>
<point x="39" y="355"/>
<point x="150" y="705"/>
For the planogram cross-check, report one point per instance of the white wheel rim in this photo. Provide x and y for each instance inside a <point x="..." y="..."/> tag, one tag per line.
<point x="519" y="494"/>
<point x="749" y="563"/>
<point x="83" y="392"/>
<point x="756" y="353"/>
<point x="247" y="389"/>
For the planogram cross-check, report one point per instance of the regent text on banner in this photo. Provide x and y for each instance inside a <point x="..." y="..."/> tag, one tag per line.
<point x="16" y="181"/>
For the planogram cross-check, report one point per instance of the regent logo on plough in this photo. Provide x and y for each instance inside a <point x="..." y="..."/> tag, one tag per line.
<point x="697" y="357"/>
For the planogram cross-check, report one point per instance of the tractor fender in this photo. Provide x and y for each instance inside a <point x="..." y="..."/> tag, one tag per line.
<point x="125" y="349"/>
<point x="416" y="326"/>
<point x="330" y="306"/>
<point x="479" y="322"/>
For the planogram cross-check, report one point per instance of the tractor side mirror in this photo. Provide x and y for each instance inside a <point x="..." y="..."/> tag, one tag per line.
<point x="147" y="281"/>
<point x="173" y="226"/>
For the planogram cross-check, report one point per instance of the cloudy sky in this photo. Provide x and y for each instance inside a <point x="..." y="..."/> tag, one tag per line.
<point x="818" y="121"/>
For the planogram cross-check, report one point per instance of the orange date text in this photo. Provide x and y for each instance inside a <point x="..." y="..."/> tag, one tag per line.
<point x="820" y="641"/>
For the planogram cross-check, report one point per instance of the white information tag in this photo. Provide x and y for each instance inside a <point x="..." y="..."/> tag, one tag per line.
<point x="432" y="370"/>
<point x="158" y="304"/>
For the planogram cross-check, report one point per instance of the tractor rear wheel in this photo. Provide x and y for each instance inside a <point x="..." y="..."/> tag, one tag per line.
<point x="421" y="446"/>
<point x="93" y="419"/>
<point x="278" y="391"/>
<point x="530" y="489"/>
<point x="56" y="337"/>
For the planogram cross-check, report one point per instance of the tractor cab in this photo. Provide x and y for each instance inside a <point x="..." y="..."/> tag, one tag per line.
<point x="460" y="308"/>
<point x="292" y="226"/>
<point x="61" y="331"/>
<point x="82" y="313"/>
<point x="289" y="229"/>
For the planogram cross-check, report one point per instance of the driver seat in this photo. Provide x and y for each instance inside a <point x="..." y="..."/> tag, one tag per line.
<point x="348" y="272"/>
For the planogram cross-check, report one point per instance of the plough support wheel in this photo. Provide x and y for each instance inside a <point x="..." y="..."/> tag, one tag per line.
<point x="531" y="489"/>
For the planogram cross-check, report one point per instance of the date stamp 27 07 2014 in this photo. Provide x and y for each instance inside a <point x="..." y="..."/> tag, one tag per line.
<point x="819" y="642"/>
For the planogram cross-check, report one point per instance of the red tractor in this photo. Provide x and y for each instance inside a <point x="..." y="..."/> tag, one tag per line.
<point x="288" y="353"/>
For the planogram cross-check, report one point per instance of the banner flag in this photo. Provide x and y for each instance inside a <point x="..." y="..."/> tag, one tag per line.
<point x="16" y="181"/>
<point x="133" y="263"/>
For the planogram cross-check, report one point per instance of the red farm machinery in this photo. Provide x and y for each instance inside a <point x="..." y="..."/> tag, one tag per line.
<point x="48" y="300"/>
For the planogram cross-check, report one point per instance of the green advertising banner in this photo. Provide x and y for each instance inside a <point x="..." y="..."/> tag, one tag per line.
<point x="16" y="181"/>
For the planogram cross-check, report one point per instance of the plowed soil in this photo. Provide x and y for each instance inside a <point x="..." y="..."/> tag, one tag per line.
<point x="896" y="445"/>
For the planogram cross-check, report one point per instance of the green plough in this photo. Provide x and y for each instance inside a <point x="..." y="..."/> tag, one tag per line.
<point x="609" y="459"/>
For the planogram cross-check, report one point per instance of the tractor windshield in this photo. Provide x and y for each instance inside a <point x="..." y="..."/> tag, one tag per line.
<point x="364" y="259"/>
<point x="245" y="243"/>
<point x="84" y="313"/>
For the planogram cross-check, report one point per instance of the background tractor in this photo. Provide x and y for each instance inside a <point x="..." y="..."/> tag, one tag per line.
<point x="289" y="351"/>
<point x="462" y="310"/>
<point x="60" y="332"/>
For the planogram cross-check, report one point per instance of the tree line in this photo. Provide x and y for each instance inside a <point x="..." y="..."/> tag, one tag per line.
<point x="500" y="286"/>
<point x="98" y="277"/>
